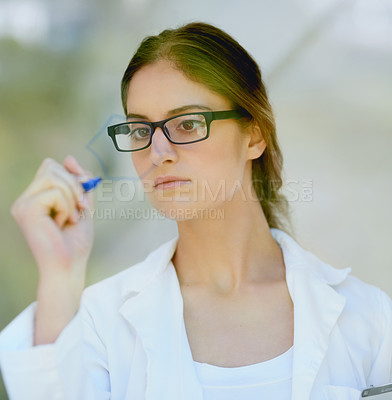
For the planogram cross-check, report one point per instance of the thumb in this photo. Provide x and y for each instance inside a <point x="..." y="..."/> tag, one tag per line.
<point x="74" y="167"/>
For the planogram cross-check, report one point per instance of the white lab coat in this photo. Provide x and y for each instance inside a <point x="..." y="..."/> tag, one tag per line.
<point x="128" y="340"/>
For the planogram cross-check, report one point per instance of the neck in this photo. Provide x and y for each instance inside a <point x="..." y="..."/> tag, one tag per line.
<point x="228" y="253"/>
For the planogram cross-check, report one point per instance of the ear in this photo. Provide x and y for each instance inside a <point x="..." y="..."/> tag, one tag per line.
<point x="256" y="144"/>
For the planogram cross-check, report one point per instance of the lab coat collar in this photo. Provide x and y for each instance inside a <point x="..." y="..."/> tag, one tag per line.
<point x="295" y="258"/>
<point x="143" y="273"/>
<point x="317" y="307"/>
<point x="153" y="306"/>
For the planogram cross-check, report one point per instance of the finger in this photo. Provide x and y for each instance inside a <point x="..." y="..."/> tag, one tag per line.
<point x="72" y="166"/>
<point x="46" y="165"/>
<point x="71" y="172"/>
<point x="51" y="174"/>
<point x="50" y="203"/>
<point x="56" y="180"/>
<point x="83" y="175"/>
<point x="73" y="183"/>
<point x="58" y="209"/>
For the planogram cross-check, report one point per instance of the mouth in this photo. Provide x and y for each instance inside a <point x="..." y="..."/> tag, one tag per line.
<point x="169" y="182"/>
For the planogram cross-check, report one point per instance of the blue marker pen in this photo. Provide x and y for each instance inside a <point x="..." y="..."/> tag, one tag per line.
<point x="91" y="183"/>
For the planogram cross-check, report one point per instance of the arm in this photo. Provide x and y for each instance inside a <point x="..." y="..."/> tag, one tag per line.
<point x="73" y="367"/>
<point x="47" y="350"/>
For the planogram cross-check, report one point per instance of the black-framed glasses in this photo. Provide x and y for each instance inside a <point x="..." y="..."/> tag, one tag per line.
<point x="180" y="129"/>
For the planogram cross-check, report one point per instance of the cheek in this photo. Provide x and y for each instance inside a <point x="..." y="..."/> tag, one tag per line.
<point x="137" y="162"/>
<point x="141" y="164"/>
<point x="221" y="172"/>
<point x="228" y="156"/>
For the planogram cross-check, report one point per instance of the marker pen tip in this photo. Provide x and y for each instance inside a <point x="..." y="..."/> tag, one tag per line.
<point x="91" y="183"/>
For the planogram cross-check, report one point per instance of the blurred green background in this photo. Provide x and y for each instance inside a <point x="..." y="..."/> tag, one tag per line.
<point x="327" y="66"/>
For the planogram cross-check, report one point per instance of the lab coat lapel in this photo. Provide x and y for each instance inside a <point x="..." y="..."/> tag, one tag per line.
<point x="156" y="314"/>
<point x="317" y="307"/>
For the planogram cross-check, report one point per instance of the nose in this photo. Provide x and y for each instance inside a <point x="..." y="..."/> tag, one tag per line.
<point x="162" y="150"/>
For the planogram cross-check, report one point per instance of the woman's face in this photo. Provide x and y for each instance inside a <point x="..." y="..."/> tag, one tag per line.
<point x="185" y="181"/>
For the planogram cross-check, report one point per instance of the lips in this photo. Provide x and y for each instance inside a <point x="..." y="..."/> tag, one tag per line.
<point x="169" y="182"/>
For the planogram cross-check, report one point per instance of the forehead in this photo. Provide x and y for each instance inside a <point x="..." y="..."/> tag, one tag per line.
<point x="158" y="88"/>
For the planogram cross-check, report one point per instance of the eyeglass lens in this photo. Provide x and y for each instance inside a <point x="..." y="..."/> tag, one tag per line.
<point x="182" y="129"/>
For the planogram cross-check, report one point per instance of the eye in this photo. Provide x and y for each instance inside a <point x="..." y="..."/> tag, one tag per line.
<point x="140" y="133"/>
<point x="190" y="125"/>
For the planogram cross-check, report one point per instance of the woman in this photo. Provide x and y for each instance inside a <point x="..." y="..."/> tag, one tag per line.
<point x="232" y="309"/>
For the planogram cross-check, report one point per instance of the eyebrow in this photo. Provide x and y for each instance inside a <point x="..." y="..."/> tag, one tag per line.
<point x="174" y="111"/>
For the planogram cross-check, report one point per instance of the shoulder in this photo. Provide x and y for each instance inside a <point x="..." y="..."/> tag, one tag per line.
<point x="353" y="289"/>
<point x="362" y="294"/>
<point x="366" y="306"/>
<point x="365" y="325"/>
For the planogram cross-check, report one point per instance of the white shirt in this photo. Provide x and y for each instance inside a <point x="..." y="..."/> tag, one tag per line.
<point x="128" y="340"/>
<point x="265" y="380"/>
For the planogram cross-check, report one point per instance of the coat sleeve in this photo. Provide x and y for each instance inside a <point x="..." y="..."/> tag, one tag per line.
<point x="72" y="368"/>
<point x="381" y="371"/>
